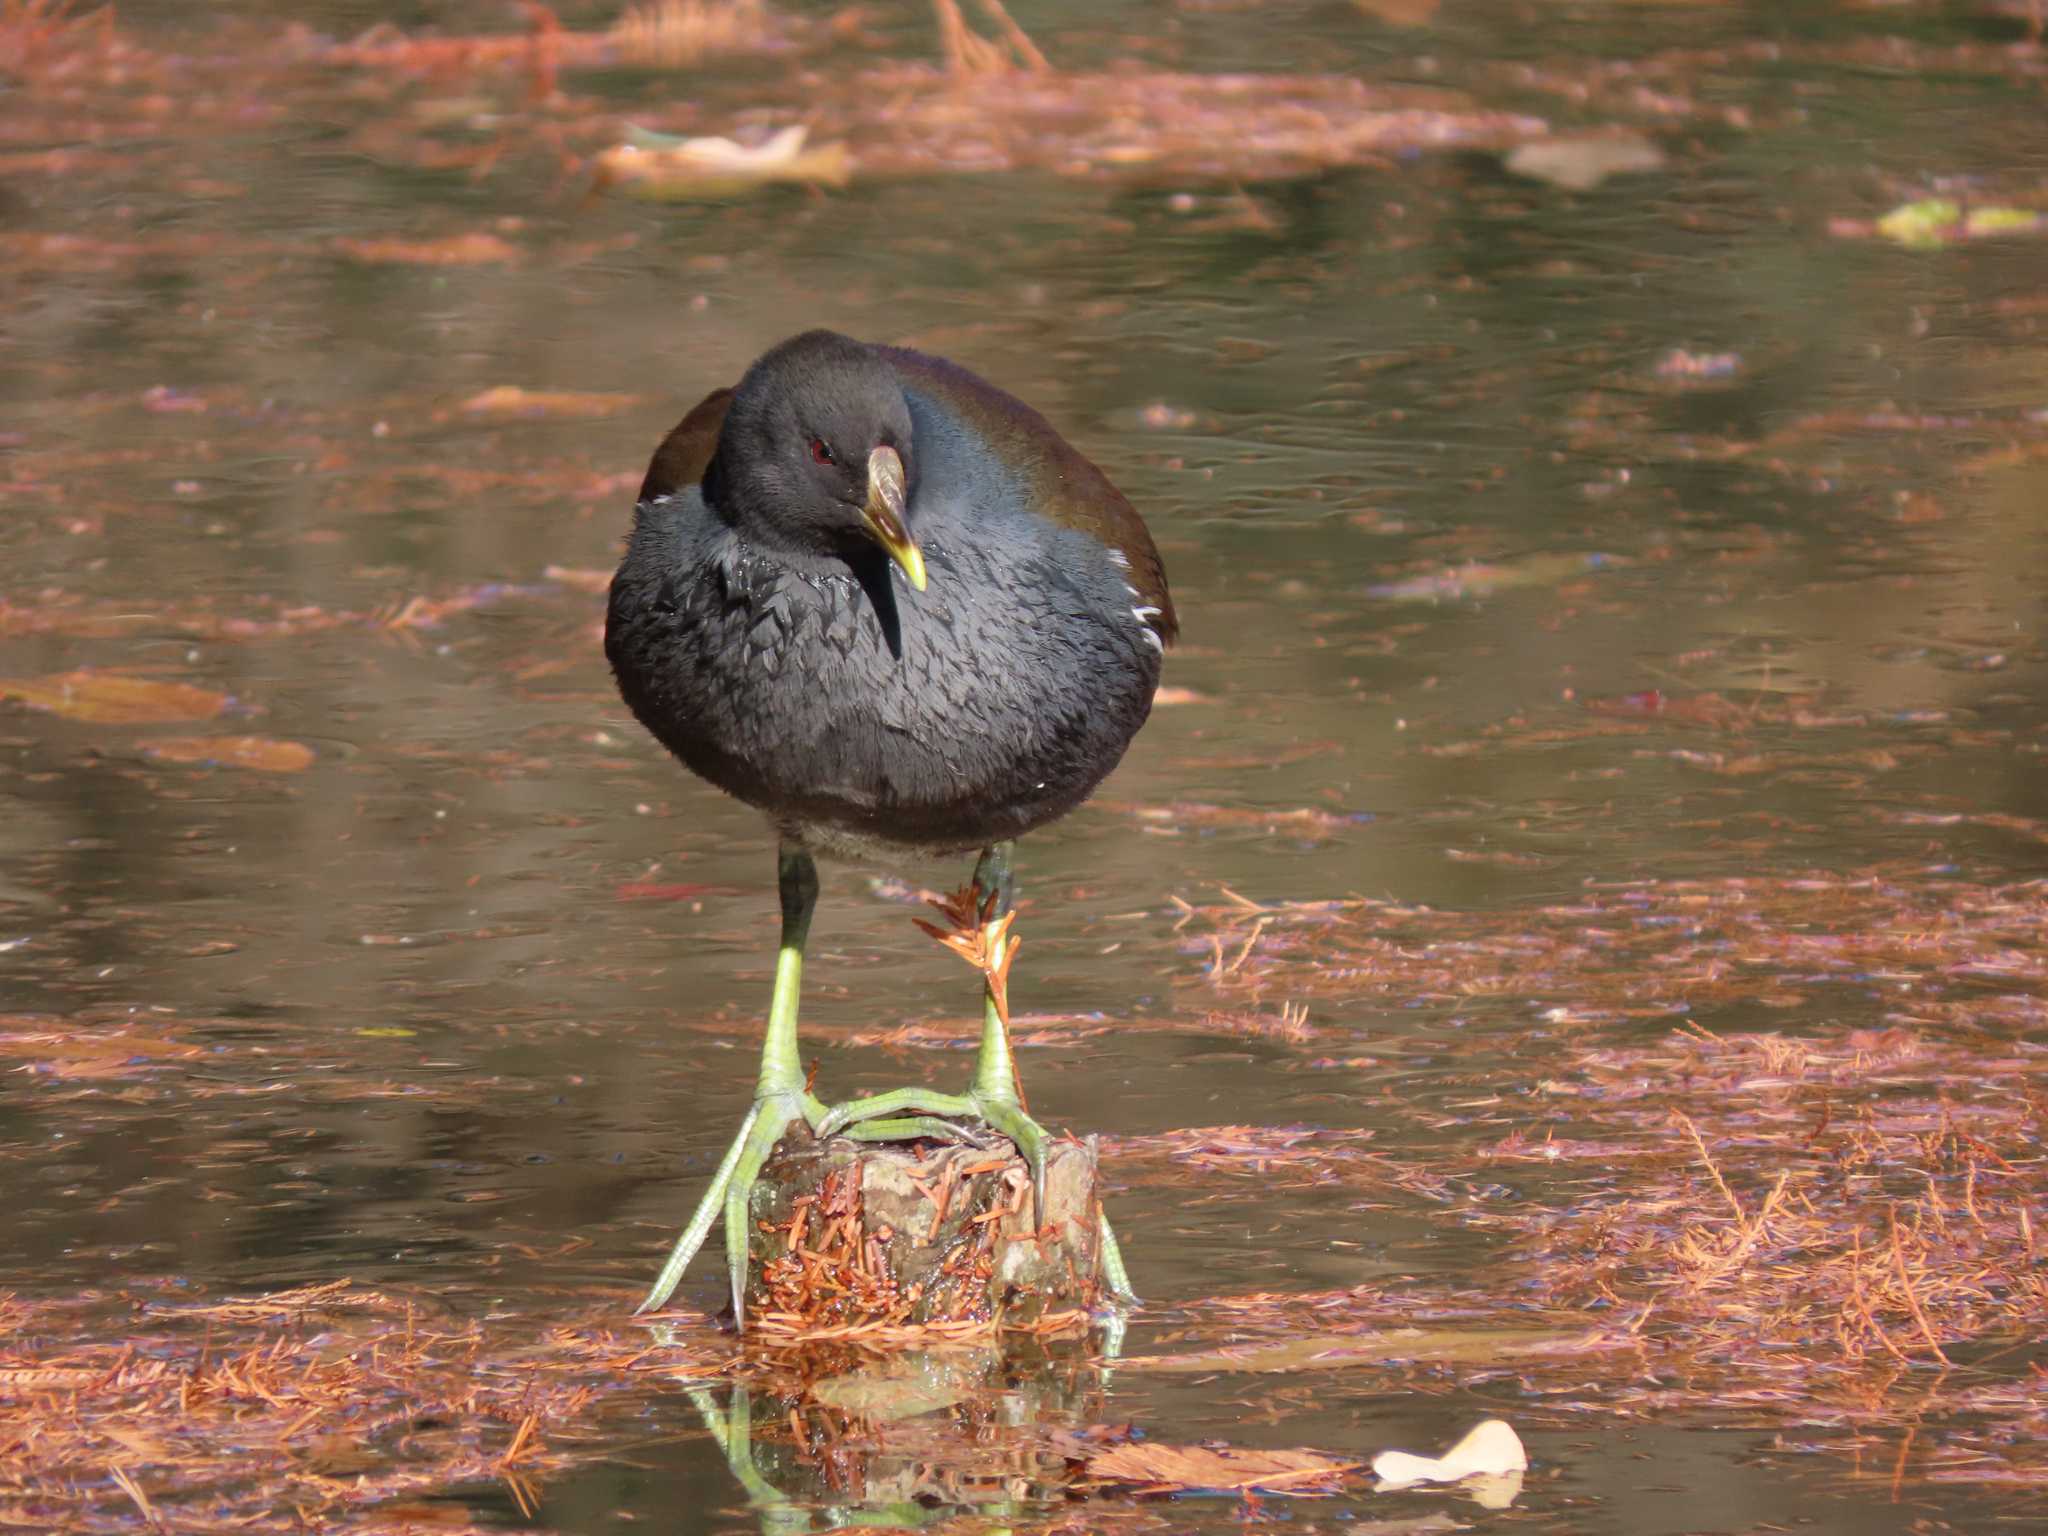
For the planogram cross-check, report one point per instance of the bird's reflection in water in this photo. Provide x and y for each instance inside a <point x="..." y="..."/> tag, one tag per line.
<point x="827" y="1438"/>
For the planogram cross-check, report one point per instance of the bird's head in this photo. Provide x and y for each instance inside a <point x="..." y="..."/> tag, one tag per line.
<point x="814" y="456"/>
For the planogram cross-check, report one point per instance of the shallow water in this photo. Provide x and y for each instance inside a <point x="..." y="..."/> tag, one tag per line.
<point x="475" y="996"/>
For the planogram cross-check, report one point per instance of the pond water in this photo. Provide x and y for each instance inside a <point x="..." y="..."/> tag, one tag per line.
<point x="1539" y="550"/>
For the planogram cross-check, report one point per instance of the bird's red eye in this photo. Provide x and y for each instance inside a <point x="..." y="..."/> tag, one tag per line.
<point x="821" y="452"/>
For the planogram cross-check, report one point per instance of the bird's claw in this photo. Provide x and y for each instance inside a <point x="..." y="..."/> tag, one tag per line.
<point x="911" y="1128"/>
<point x="906" y="1114"/>
<point x="898" y="1102"/>
<point x="732" y="1188"/>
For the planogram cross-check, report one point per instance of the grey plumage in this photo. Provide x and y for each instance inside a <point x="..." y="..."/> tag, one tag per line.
<point x="780" y="654"/>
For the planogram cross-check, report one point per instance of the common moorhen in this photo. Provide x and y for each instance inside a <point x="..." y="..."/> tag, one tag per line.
<point x="884" y="602"/>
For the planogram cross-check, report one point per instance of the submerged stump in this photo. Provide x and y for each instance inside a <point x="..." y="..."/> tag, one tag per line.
<point x="871" y="1237"/>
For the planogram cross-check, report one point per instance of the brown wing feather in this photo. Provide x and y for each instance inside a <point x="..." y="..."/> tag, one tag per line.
<point x="1068" y="487"/>
<point x="686" y="452"/>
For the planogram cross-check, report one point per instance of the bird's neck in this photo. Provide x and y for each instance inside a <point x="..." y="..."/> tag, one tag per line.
<point x="765" y="563"/>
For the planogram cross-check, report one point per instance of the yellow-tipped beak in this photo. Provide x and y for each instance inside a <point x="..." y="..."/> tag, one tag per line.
<point x="884" y="514"/>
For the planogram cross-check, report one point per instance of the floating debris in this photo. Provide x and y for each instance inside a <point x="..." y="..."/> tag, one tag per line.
<point x="1581" y="161"/>
<point x="1491" y="1448"/>
<point x="909" y="119"/>
<point x="658" y="166"/>
<point x="1934" y="222"/>
<point x="114" y="698"/>
<point x="1698" y="367"/>
<point x="474" y="249"/>
<point x="1479" y="578"/>
<point x="673" y="34"/>
<point x="263" y="754"/>
<point x="230" y="1413"/>
<point x="1487" y="1465"/>
<point x="512" y="400"/>
<point x="1153" y="1468"/>
<point x="1330" y="1352"/>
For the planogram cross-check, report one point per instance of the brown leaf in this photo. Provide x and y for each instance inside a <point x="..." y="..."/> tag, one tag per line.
<point x="261" y="753"/>
<point x="475" y="249"/>
<point x="113" y="698"/>
<point x="511" y="400"/>
<point x="339" y="1455"/>
<point x="1488" y="1346"/>
<point x="137" y="1442"/>
<point x="1399" y="13"/>
<point x="424" y="1512"/>
<point x="653" y="890"/>
<point x="1151" y="1465"/>
<point x="49" y="1378"/>
<point x="75" y="1054"/>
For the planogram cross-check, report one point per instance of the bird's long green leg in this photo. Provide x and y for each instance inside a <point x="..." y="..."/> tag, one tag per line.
<point x="780" y="1100"/>
<point x="995" y="1070"/>
<point x="996" y="1092"/>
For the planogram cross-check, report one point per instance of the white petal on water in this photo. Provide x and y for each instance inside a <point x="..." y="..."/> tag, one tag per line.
<point x="1490" y="1448"/>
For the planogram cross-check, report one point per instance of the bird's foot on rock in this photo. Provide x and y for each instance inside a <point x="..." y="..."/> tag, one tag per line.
<point x="906" y="1114"/>
<point x="911" y="1128"/>
<point x="731" y="1186"/>
<point x="1009" y="1117"/>
<point x="902" y="1114"/>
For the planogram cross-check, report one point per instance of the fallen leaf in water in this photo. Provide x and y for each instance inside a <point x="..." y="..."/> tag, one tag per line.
<point x="653" y="890"/>
<point x="1581" y="161"/>
<point x="425" y="1512"/>
<point x="674" y="34"/>
<point x="1399" y="13"/>
<point x="21" y="1380"/>
<point x="1191" y="1467"/>
<point x="1934" y="222"/>
<point x="366" y="1408"/>
<point x="1477" y="578"/>
<point x="261" y="753"/>
<point x="656" y="165"/>
<point x="1500" y="856"/>
<point x="163" y="400"/>
<point x="339" y="1455"/>
<point x="137" y="1442"/>
<point x="2002" y="221"/>
<point x="472" y="250"/>
<point x="511" y="400"/>
<point x="113" y="698"/>
<point x="1691" y="367"/>
<point x="1330" y="1351"/>
<point x="1490" y="1454"/>
<point x="1184" y="815"/>
<point x="659" y="34"/>
<point x="1237" y="127"/>
<point x="72" y="1054"/>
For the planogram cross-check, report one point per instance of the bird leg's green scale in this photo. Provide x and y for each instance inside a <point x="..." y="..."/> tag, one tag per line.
<point x="993" y="1100"/>
<point x="780" y="1100"/>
